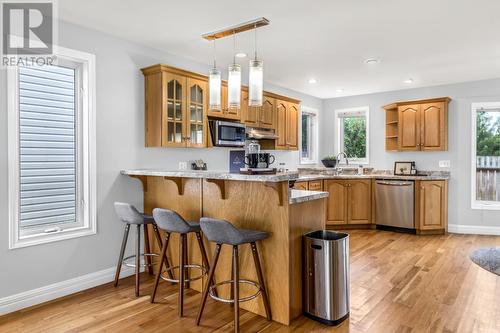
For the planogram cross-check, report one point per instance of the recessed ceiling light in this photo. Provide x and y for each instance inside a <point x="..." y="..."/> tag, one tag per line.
<point x="240" y="55"/>
<point x="408" y="81"/>
<point x="372" y="61"/>
<point x="339" y="90"/>
<point x="312" y="81"/>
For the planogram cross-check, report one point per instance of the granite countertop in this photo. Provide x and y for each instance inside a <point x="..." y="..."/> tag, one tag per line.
<point x="298" y="196"/>
<point x="306" y="174"/>
<point x="279" y="177"/>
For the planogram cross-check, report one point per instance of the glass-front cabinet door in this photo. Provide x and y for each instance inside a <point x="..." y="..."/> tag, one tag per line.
<point x="175" y="99"/>
<point x="196" y="124"/>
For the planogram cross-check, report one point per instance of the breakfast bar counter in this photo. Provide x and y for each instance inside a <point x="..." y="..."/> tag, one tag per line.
<point x="259" y="202"/>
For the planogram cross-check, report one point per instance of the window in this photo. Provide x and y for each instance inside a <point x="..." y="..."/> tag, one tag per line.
<point x="52" y="150"/>
<point x="352" y="133"/>
<point x="309" y="137"/>
<point x="485" y="156"/>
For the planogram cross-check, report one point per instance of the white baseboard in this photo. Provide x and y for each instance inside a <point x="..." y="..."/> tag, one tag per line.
<point x="40" y="295"/>
<point x="473" y="229"/>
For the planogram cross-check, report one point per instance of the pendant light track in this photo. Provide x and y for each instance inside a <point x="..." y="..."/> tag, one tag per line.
<point x="236" y="29"/>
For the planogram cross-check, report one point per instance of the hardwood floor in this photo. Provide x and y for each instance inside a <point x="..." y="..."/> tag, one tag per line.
<point x="399" y="283"/>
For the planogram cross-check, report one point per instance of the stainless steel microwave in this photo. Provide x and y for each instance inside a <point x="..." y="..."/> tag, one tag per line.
<point x="227" y="133"/>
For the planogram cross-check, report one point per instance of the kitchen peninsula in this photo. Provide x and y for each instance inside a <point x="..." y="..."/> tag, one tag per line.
<point x="262" y="202"/>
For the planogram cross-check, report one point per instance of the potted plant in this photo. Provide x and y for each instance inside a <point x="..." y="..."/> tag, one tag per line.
<point x="329" y="161"/>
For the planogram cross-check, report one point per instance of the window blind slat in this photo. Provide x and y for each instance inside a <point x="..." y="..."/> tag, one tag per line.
<point x="47" y="145"/>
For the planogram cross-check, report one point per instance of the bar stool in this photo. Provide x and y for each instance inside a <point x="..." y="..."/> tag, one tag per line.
<point x="222" y="232"/>
<point x="171" y="222"/>
<point x="130" y="215"/>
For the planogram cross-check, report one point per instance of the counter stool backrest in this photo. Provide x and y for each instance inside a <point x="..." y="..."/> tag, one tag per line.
<point x="220" y="231"/>
<point x="170" y="221"/>
<point x="128" y="213"/>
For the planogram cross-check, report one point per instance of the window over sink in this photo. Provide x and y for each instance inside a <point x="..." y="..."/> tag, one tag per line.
<point x="485" y="152"/>
<point x="352" y="128"/>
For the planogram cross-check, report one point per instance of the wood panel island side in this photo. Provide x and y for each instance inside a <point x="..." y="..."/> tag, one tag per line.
<point x="261" y="202"/>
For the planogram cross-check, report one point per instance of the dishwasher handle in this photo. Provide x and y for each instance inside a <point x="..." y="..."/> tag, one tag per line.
<point x="381" y="182"/>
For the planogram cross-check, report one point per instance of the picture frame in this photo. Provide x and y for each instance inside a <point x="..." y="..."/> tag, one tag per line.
<point x="403" y="168"/>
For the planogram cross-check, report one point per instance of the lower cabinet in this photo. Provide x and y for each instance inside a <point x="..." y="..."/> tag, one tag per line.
<point x="431" y="205"/>
<point x="349" y="201"/>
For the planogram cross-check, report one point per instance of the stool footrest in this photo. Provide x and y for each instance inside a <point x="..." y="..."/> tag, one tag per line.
<point x="203" y="270"/>
<point x="211" y="291"/>
<point x="142" y="265"/>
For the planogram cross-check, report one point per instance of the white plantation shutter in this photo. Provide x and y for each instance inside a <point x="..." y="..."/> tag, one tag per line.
<point x="47" y="146"/>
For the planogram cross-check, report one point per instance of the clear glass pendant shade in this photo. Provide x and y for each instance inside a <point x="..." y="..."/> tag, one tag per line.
<point x="234" y="86"/>
<point x="255" y="82"/>
<point x="214" y="87"/>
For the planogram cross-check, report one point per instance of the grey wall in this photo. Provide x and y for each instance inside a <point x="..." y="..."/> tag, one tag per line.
<point x="120" y="144"/>
<point x="459" y="150"/>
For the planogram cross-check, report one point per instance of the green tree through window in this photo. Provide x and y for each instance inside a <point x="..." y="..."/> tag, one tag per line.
<point x="355" y="137"/>
<point x="488" y="134"/>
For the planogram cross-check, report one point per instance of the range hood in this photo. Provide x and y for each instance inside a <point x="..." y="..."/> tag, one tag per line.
<point x="260" y="133"/>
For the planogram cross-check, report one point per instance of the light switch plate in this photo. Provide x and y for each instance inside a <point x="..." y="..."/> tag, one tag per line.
<point x="444" y="164"/>
<point x="183" y="165"/>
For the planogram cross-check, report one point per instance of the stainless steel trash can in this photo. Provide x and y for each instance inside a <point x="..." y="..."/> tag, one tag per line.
<point x="326" y="276"/>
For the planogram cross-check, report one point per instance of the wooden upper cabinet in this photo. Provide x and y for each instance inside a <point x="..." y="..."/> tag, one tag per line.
<point x="420" y="125"/>
<point x="432" y="205"/>
<point x="433" y="126"/>
<point x="359" y="201"/>
<point x="267" y="113"/>
<point x="281" y="124"/>
<point x="409" y="127"/>
<point x="196" y="124"/>
<point x="174" y="121"/>
<point x="293" y="126"/>
<point x="225" y="112"/>
<point x="249" y="114"/>
<point x="336" y="208"/>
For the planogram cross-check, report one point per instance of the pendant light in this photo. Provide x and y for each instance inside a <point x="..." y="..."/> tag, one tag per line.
<point x="214" y="85"/>
<point x="234" y="81"/>
<point x="255" y="78"/>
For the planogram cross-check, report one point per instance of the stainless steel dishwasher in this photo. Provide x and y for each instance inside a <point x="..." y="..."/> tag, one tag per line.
<point x="395" y="203"/>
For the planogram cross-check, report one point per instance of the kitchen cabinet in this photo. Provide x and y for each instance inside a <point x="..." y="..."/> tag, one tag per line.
<point x="300" y="186"/>
<point x="287" y="118"/>
<point x="417" y="125"/>
<point x="176" y="106"/>
<point x="259" y="116"/>
<point x="349" y="201"/>
<point x="226" y="112"/>
<point x="315" y="185"/>
<point x="431" y="205"/>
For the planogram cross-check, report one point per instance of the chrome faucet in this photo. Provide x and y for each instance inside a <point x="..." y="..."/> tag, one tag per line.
<point x="345" y="157"/>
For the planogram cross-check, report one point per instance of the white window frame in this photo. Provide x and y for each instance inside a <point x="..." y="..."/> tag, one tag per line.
<point x="366" y="111"/>
<point x="314" y="136"/>
<point x="86" y="154"/>
<point x="479" y="204"/>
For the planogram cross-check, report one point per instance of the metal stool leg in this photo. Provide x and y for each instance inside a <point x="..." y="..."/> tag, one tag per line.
<point x="181" y="274"/>
<point x="122" y="253"/>
<point x="137" y="260"/>
<point x="160" y="267"/>
<point x="215" y="259"/>
<point x="231" y="293"/>
<point x="236" y="282"/>
<point x="186" y="261"/>
<point x="160" y="244"/>
<point x="147" y="249"/>
<point x="261" y="280"/>
<point x="204" y="255"/>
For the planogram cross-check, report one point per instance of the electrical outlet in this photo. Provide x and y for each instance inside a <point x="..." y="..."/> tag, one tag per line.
<point x="444" y="164"/>
<point x="183" y="165"/>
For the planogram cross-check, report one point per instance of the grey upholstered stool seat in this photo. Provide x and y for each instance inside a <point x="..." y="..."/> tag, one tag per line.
<point x="171" y="222"/>
<point x="222" y="232"/>
<point x="129" y="215"/>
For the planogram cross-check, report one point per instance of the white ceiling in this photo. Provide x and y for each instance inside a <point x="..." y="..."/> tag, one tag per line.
<point x="432" y="41"/>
